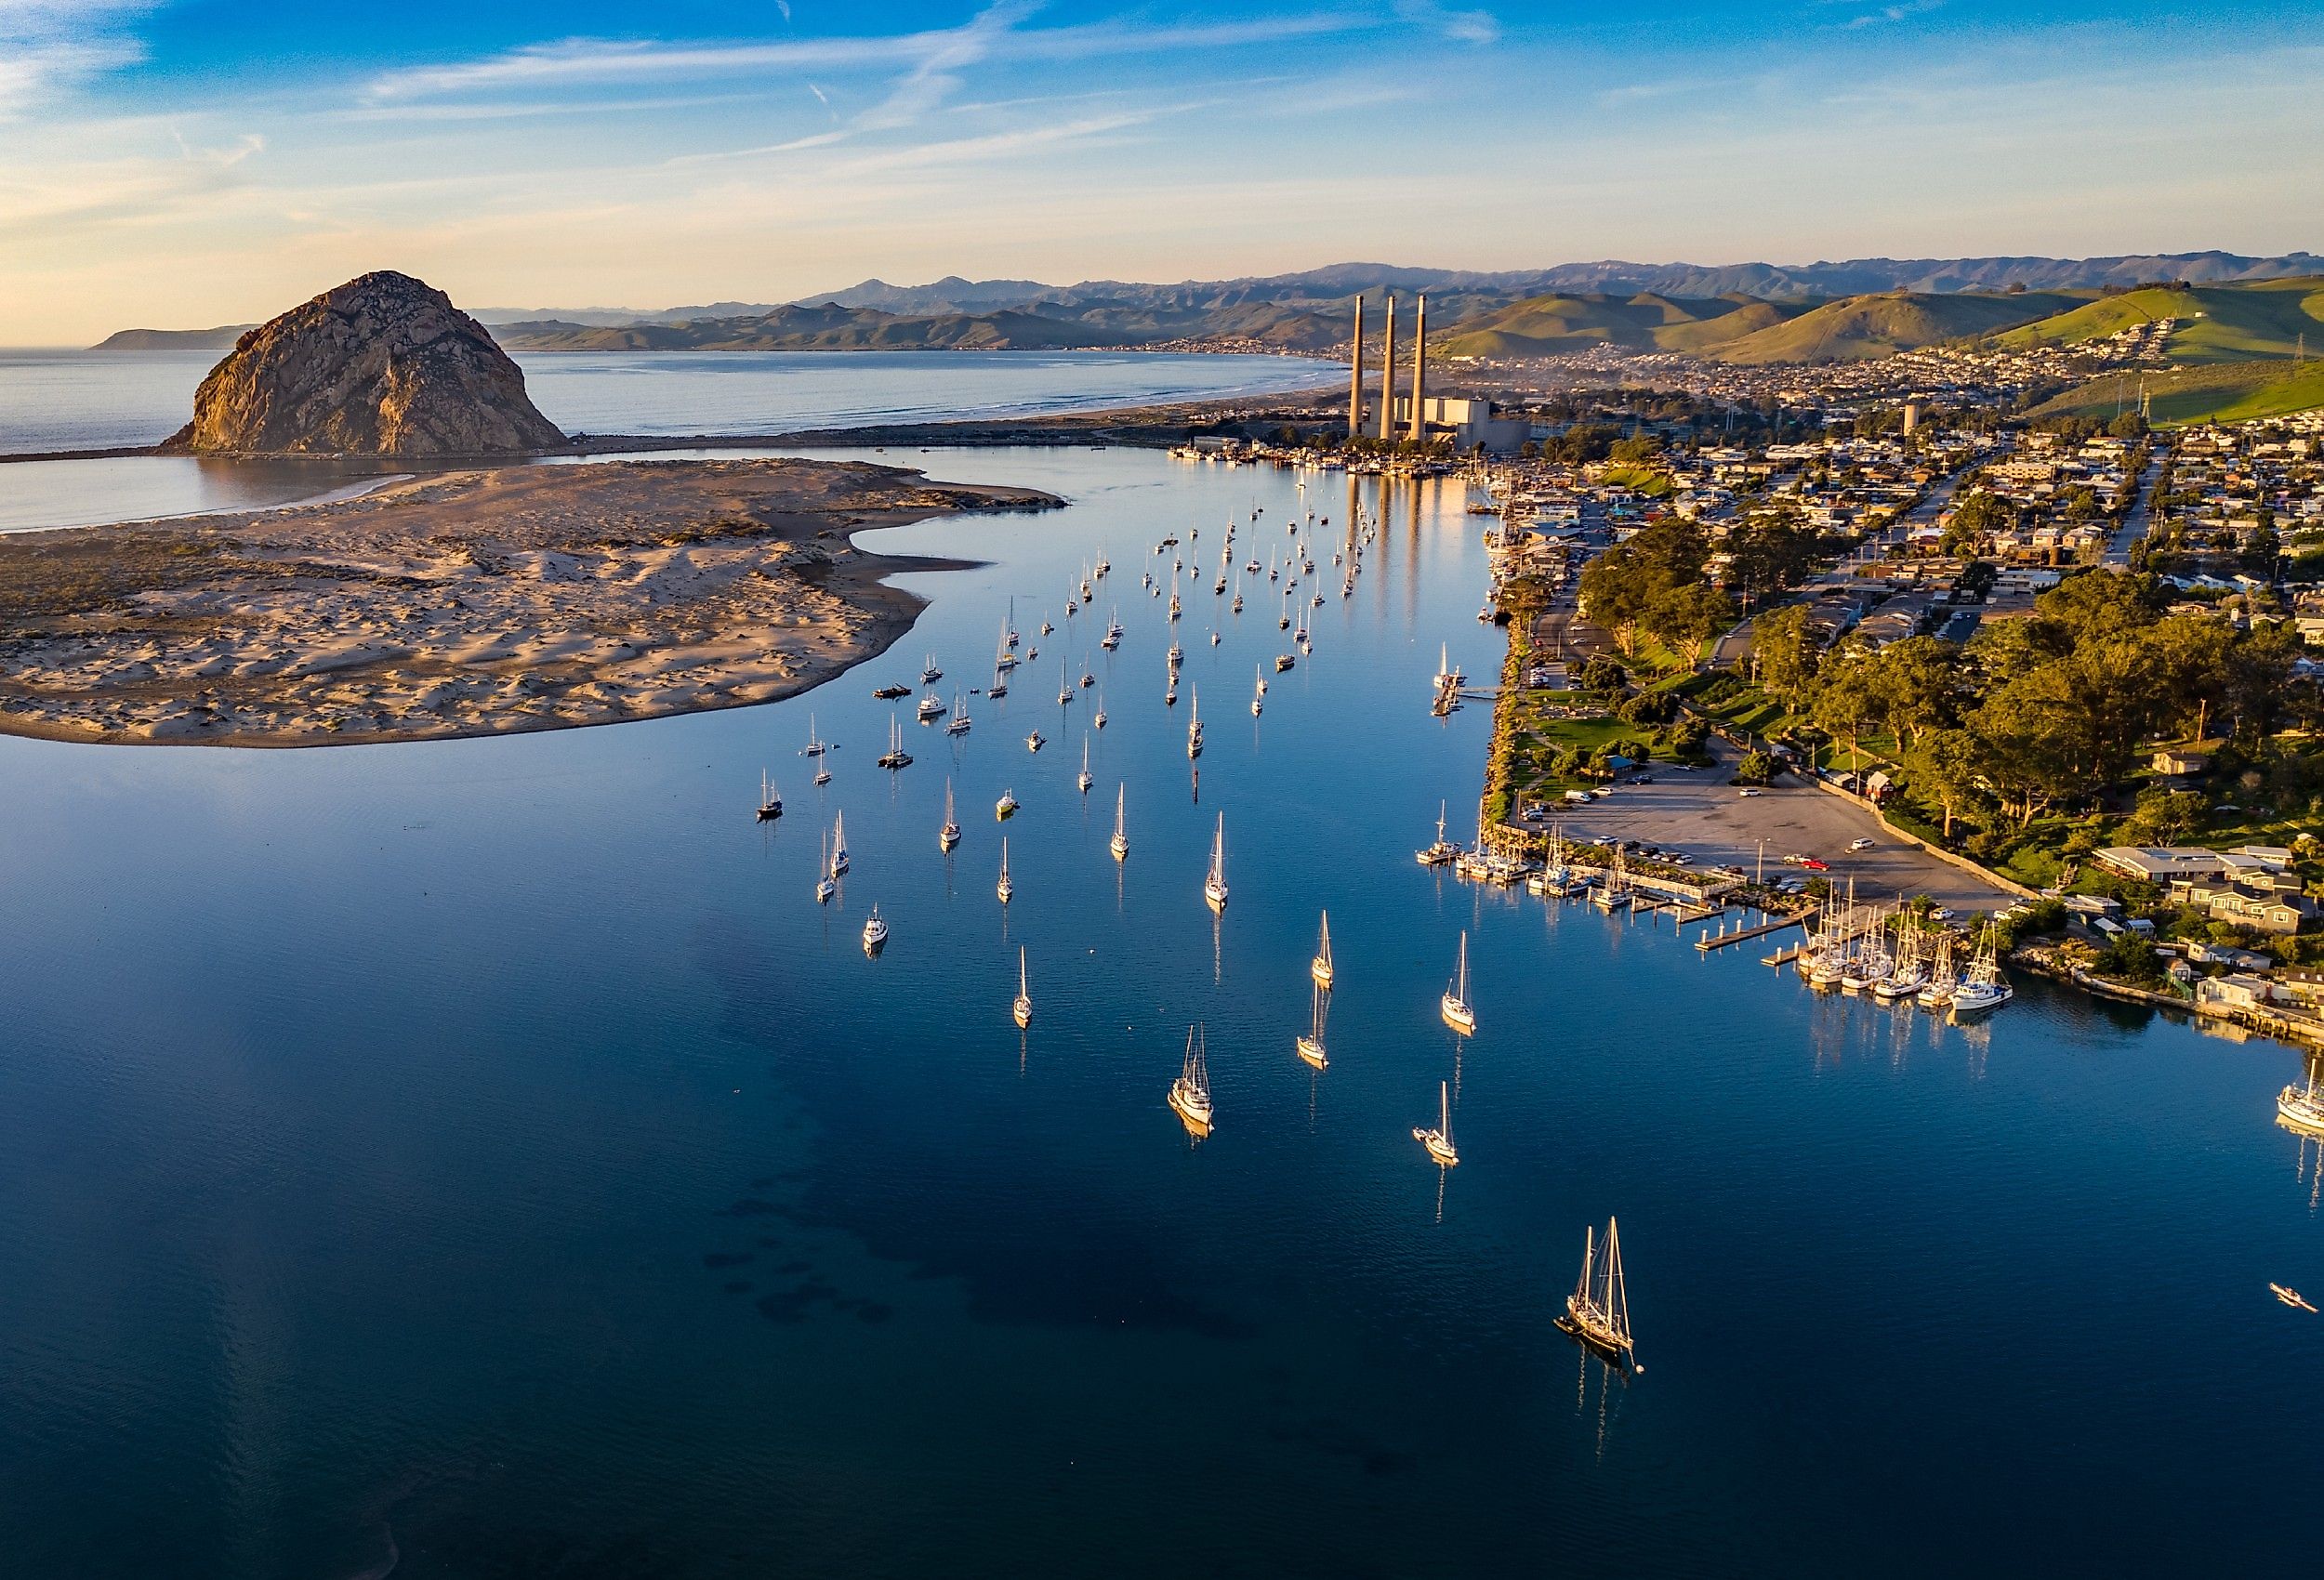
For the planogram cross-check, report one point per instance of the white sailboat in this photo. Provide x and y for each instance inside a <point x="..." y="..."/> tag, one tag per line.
<point x="1439" y="1140"/>
<point x="1320" y="967"/>
<point x="959" y="722"/>
<point x="949" y="834"/>
<point x="825" y="885"/>
<point x="1444" y="850"/>
<point x="1311" y="1045"/>
<point x="1112" y="631"/>
<point x="2302" y="1109"/>
<point x="1597" y="1313"/>
<point x="1087" y="778"/>
<point x="815" y="744"/>
<point x="1190" y="1094"/>
<point x="1214" y="886"/>
<point x="1004" y="888"/>
<point x="1023" y="1009"/>
<point x="930" y="674"/>
<point x="1985" y="987"/>
<point x="1259" y="695"/>
<point x="1459" y="1014"/>
<point x="1937" y="992"/>
<point x="1194" y="726"/>
<point x="1099" y="721"/>
<point x="895" y="757"/>
<point x="1121" y="836"/>
<point x="838" y="843"/>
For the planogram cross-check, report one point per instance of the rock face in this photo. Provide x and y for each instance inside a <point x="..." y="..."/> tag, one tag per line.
<point x="382" y="365"/>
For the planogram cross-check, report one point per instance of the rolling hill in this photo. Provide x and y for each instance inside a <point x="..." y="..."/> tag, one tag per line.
<point x="827" y="328"/>
<point x="1857" y="328"/>
<point x="1555" y="324"/>
<point x="2242" y="322"/>
<point x="2209" y="392"/>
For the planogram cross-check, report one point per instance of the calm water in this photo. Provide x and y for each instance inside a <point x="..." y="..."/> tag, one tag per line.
<point x="486" y="1155"/>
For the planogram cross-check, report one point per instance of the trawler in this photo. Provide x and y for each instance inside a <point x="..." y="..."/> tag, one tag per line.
<point x="1937" y="992"/>
<point x="1458" y="1013"/>
<point x="1438" y="1139"/>
<point x="1444" y="852"/>
<point x="2300" y="1108"/>
<point x="1004" y="888"/>
<point x="875" y="932"/>
<point x="958" y="724"/>
<point x="1190" y="1094"/>
<point x="1597" y="1313"/>
<point x="825" y="885"/>
<point x="1320" y="967"/>
<point x="1613" y="893"/>
<point x="1087" y="778"/>
<point x="931" y="707"/>
<point x="1120" y="844"/>
<point x="769" y="802"/>
<point x="1311" y="1044"/>
<point x="1906" y="972"/>
<point x="949" y="834"/>
<point x="1984" y="988"/>
<point x="838" y="844"/>
<point x="1194" y="726"/>
<point x="895" y="757"/>
<point x="1214" y="886"/>
<point x="1006" y="807"/>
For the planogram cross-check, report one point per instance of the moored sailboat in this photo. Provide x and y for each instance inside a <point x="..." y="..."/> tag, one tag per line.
<point x="1311" y="1044"/>
<point x="1214" y="885"/>
<point x="949" y="834"/>
<point x="1023" y="1009"/>
<point x="1438" y="1139"/>
<point x="769" y="801"/>
<point x="1597" y="1313"/>
<point x="1120" y="844"/>
<point x="1458" y="1013"/>
<point x="1190" y="1094"/>
<point x="1004" y="888"/>
<point x="1320" y="967"/>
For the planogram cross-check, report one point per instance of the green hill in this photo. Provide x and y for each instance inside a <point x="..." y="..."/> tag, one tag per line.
<point x="1704" y="337"/>
<point x="1553" y="325"/>
<point x="2207" y="392"/>
<point x="2215" y="323"/>
<point x="1858" y="328"/>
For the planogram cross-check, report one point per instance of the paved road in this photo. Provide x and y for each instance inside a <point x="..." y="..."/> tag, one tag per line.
<point x="2136" y="518"/>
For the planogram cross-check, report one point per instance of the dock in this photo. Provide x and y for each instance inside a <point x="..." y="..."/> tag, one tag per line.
<point x="1708" y="940"/>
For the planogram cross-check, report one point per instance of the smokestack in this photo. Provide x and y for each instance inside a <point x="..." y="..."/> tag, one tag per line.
<point x="1387" y="372"/>
<point x="1420" y="355"/>
<point x="1356" y="379"/>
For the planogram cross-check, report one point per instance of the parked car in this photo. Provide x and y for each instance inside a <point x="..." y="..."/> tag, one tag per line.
<point x="1859" y="843"/>
<point x="1813" y="865"/>
<point x="1753" y="790"/>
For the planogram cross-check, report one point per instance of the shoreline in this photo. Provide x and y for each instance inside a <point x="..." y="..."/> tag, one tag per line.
<point x="465" y="604"/>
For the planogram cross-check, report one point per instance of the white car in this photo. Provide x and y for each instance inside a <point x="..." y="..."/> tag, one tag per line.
<point x="1859" y="843"/>
<point x="1754" y="790"/>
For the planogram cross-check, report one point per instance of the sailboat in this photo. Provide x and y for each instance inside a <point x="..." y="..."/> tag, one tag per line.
<point x="2302" y="1109"/>
<point x="1120" y="844"/>
<point x="1113" y="631"/>
<point x="1006" y="807"/>
<point x="1985" y="987"/>
<point x="1194" y="726"/>
<point x="949" y="834"/>
<point x="930" y="674"/>
<point x="1190" y="1094"/>
<point x="1064" y="687"/>
<point x="1597" y="1313"/>
<point x="895" y="757"/>
<point x="1087" y="778"/>
<point x="1938" y="991"/>
<point x="838" y="843"/>
<point x="1000" y="688"/>
<point x="1320" y="967"/>
<point x="1459" y="1014"/>
<point x="815" y="746"/>
<point x="769" y="803"/>
<point x="825" y="885"/>
<point x="1444" y="850"/>
<point x="1214" y="886"/>
<point x="875" y="932"/>
<point x="1311" y="1045"/>
<point x="1009" y="626"/>
<point x="1439" y="1140"/>
<point x="1024" y="1007"/>
<point x="1099" y="721"/>
<point x="1259" y="695"/>
<point x="1004" y="888"/>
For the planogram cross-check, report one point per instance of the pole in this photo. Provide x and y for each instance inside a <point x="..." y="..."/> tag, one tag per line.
<point x="1387" y="372"/>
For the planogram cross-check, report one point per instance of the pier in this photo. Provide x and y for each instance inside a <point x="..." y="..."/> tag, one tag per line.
<point x="1708" y="940"/>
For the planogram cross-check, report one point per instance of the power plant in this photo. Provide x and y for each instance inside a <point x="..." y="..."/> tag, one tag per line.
<point x="1415" y="426"/>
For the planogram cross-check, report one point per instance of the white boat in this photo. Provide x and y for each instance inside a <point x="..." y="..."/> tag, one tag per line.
<point x="1194" y="726"/>
<point x="1259" y="695"/>
<point x="823" y="771"/>
<point x="1089" y="677"/>
<point x="1311" y="1045"/>
<point x="895" y="757"/>
<point x="1023" y="1009"/>
<point x="1009" y="626"/>
<point x="875" y="932"/>
<point x="1006" y="807"/>
<point x="1120" y="843"/>
<point x="930" y="674"/>
<point x="815" y="744"/>
<point x="838" y="843"/>
<point x="1597" y="1313"/>
<point x="1444" y="852"/>
<point x="1113" y="631"/>
<point x="1064" y="687"/>
<point x="2300" y="1108"/>
<point x="1320" y="967"/>
<point x="959" y="722"/>
<point x="1004" y="888"/>
<point x="1190" y="1094"/>
<point x="932" y="705"/>
<point x="1906" y="975"/>
<point x="1458" y="1013"/>
<point x="1613" y="893"/>
<point x="825" y="885"/>
<point x="1033" y="742"/>
<point x="1438" y="1140"/>
<point x="1937" y="992"/>
<point x="1098" y="719"/>
<point x="1087" y="778"/>
<point x="1448" y="673"/>
<point x="1985" y="987"/>
<point x="769" y="801"/>
<point x="949" y="834"/>
<point x="1214" y="886"/>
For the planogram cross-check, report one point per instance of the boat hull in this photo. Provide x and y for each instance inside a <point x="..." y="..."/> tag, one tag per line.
<point x="1459" y="1016"/>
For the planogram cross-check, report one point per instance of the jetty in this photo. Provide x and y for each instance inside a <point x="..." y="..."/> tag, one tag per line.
<point x="1708" y="940"/>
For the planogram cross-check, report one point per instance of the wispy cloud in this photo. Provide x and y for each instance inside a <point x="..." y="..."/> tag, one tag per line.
<point x="47" y="45"/>
<point x="1887" y="14"/>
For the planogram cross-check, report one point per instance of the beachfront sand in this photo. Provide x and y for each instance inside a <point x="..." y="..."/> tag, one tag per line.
<point x="464" y="604"/>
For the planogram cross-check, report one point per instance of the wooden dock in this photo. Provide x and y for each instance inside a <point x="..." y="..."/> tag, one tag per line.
<point x="1708" y="940"/>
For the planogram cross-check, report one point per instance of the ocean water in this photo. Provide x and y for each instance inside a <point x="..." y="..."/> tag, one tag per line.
<point x="486" y="1158"/>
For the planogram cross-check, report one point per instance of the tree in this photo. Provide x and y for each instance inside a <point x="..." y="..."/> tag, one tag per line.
<point x="1918" y="686"/>
<point x="1974" y="519"/>
<point x="1784" y="651"/>
<point x="1687" y="617"/>
<point x="1844" y="701"/>
<point x="1769" y="556"/>
<point x="2165" y="817"/>
<point x="1944" y="766"/>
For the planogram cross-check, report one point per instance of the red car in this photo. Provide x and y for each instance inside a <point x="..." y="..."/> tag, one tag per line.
<point x="1813" y="865"/>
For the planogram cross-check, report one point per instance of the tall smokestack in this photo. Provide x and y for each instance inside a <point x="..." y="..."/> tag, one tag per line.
<point x="1387" y="372"/>
<point x="1420" y="355"/>
<point x="1356" y="379"/>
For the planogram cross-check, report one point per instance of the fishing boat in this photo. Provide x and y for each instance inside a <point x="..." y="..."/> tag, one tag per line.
<point x="1087" y="778"/>
<point x="1613" y="893"/>
<point x="1597" y="1313"/>
<point x="949" y="834"/>
<point x="1004" y="888"/>
<point x="838" y="844"/>
<point x="890" y="693"/>
<point x="1214" y="886"/>
<point x="1438" y="1138"/>
<point x="1985" y="987"/>
<point x="1937" y="991"/>
<point x="895" y="757"/>
<point x="769" y="802"/>
<point x="875" y="932"/>
<point x="1190" y="1094"/>
<point x="825" y="885"/>
<point x="1194" y="726"/>
<point x="1444" y="852"/>
<point x="959" y="722"/>
<point x="1035" y="741"/>
<point x="1320" y="967"/>
<point x="1458" y="1013"/>
<point x="1311" y="1044"/>
<point x="2300" y="1108"/>
<point x="1906" y="973"/>
<point x="1259" y="695"/>
<point x="930" y="674"/>
<point x="1006" y="807"/>
<point x="1120" y="844"/>
<point x="931" y="707"/>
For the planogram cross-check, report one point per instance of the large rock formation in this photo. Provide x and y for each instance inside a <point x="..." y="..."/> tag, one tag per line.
<point x="382" y="365"/>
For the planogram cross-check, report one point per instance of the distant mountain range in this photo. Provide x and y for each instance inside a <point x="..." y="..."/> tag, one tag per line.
<point x="1752" y="312"/>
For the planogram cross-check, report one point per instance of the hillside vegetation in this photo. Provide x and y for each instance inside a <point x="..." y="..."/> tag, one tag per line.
<point x="2209" y="392"/>
<point x="1553" y="325"/>
<point x="1858" y="328"/>
<point x="2214" y="323"/>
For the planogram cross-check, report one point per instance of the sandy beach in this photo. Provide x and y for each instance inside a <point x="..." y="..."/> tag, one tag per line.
<point x="476" y="602"/>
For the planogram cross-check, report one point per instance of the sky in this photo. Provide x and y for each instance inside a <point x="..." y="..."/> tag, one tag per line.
<point x="216" y="161"/>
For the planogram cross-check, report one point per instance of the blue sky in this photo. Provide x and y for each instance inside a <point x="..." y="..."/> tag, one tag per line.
<point x="216" y="160"/>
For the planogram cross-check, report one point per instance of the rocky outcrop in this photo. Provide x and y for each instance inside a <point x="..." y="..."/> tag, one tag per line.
<point x="382" y="365"/>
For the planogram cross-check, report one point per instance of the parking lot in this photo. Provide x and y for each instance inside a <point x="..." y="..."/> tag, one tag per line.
<point x="1703" y="814"/>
